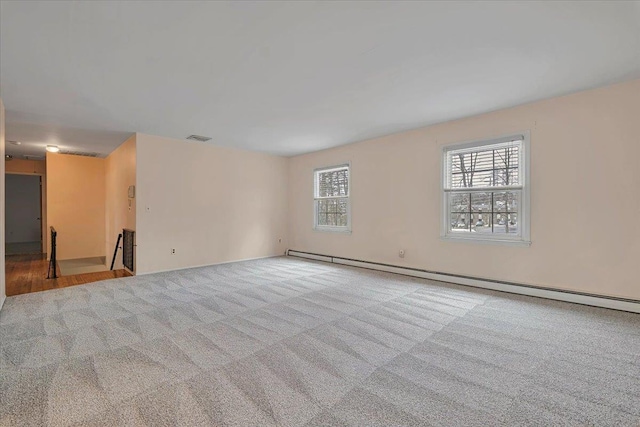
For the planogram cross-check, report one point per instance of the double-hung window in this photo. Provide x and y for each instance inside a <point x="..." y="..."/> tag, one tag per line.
<point x="332" y="208"/>
<point x="486" y="190"/>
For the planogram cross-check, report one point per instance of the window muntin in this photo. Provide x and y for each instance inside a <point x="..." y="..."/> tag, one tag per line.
<point x="331" y="199"/>
<point x="485" y="190"/>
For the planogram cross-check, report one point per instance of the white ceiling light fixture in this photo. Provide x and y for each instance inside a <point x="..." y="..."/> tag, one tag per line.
<point x="53" y="148"/>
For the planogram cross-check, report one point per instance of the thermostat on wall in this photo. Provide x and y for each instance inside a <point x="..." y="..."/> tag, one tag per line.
<point x="132" y="191"/>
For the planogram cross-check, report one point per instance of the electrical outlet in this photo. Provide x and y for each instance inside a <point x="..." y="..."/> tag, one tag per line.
<point x="173" y="251"/>
<point x="401" y="253"/>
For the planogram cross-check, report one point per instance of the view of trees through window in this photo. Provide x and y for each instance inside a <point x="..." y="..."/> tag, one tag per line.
<point x="484" y="189"/>
<point x="332" y="197"/>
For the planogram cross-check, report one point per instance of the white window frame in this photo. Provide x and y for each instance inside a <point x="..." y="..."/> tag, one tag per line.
<point x="524" y="212"/>
<point x="316" y="198"/>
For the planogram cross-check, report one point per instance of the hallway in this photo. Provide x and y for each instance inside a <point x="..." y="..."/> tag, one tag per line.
<point x="28" y="273"/>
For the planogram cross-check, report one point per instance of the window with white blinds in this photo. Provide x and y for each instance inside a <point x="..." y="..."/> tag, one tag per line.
<point x="485" y="191"/>
<point x="332" y="209"/>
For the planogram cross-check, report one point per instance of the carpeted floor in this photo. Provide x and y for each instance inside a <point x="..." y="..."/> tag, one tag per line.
<point x="288" y="342"/>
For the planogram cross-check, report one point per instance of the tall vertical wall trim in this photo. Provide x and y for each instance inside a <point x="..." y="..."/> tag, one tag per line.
<point x="3" y="293"/>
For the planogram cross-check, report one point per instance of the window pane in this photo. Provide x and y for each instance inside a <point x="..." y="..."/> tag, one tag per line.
<point x="332" y="212"/>
<point x="483" y="216"/>
<point x="507" y="157"/>
<point x="459" y="221"/>
<point x="506" y="176"/>
<point x="459" y="202"/>
<point x="333" y="183"/>
<point x="481" y="202"/>
<point x="472" y="178"/>
<point x="322" y="219"/>
<point x="342" y="206"/>
<point x="506" y="223"/>
<point x="506" y="201"/>
<point x="486" y="167"/>
<point x="481" y="223"/>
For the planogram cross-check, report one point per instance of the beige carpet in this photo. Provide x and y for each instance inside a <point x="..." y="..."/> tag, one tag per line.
<point x="70" y="267"/>
<point x="288" y="342"/>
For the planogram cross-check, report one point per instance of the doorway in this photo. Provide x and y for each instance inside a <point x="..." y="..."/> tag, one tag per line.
<point x="23" y="214"/>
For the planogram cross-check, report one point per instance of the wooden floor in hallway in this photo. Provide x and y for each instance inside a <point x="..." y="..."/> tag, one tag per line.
<point x="28" y="273"/>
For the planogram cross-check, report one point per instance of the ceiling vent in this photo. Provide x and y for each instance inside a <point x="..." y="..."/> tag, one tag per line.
<point x="28" y="157"/>
<point x="199" y="138"/>
<point x="80" y="153"/>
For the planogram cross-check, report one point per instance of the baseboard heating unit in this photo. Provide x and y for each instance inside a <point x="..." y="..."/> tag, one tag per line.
<point x="496" y="285"/>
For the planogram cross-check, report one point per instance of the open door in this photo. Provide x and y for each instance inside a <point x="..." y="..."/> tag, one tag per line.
<point x="23" y="226"/>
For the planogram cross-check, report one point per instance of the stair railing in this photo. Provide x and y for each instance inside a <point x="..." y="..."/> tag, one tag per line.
<point x="115" y="251"/>
<point x="128" y="245"/>
<point x="52" y="258"/>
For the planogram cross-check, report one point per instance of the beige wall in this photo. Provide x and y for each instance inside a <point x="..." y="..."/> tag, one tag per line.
<point x="76" y="204"/>
<point x="34" y="167"/>
<point x="3" y="293"/>
<point x="585" y="202"/>
<point x="211" y="204"/>
<point x="26" y="167"/>
<point x="120" y="173"/>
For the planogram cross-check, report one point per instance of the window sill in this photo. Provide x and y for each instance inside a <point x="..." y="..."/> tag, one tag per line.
<point x="332" y="230"/>
<point x="483" y="241"/>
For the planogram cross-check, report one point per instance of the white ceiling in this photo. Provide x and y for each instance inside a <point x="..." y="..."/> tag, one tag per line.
<point x="287" y="77"/>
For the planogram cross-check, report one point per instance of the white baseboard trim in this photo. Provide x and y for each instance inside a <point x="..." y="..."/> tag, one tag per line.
<point x="514" y="288"/>
<point x="2" y="299"/>
<point x="205" y="265"/>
